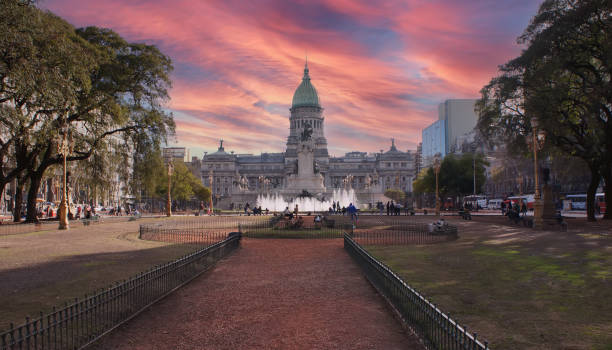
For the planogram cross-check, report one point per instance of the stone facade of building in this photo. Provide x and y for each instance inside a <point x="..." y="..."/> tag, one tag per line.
<point x="238" y="178"/>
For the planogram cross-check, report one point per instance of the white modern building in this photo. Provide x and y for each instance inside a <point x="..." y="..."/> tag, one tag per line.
<point x="454" y="128"/>
<point x="459" y="121"/>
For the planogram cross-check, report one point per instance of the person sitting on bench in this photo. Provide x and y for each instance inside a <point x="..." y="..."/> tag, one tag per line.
<point x="287" y="213"/>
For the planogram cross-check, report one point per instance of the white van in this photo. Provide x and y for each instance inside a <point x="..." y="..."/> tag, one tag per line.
<point x="495" y="204"/>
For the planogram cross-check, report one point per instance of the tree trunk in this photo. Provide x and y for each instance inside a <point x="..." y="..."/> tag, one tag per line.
<point x="35" y="179"/>
<point x="591" y="190"/>
<point x="18" y="200"/>
<point x="2" y="185"/>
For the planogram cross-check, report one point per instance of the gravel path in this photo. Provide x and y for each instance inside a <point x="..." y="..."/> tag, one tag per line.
<point x="278" y="294"/>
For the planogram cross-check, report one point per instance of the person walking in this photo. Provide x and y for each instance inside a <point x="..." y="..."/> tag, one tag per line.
<point x="352" y="210"/>
<point x="392" y="206"/>
<point x="388" y="208"/>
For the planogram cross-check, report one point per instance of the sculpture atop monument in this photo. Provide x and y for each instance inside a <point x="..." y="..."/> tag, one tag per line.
<point x="307" y="133"/>
<point x="305" y="178"/>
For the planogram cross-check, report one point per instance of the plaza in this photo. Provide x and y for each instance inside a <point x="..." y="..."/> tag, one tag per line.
<point x="171" y="178"/>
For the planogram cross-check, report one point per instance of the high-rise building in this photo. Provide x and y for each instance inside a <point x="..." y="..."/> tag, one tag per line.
<point x="434" y="142"/>
<point x="454" y="128"/>
<point x="459" y="121"/>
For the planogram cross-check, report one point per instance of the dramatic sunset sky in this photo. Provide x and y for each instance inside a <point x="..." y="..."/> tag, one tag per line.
<point x="380" y="68"/>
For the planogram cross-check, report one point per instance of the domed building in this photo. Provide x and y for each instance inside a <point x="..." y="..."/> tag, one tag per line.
<point x="306" y="111"/>
<point x="236" y="179"/>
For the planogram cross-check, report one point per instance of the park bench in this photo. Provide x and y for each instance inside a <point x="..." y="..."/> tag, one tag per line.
<point x="328" y="222"/>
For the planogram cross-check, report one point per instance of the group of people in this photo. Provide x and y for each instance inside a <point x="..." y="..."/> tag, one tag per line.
<point x="255" y="210"/>
<point x="86" y="211"/>
<point x="336" y="209"/>
<point x="392" y="208"/>
<point x="514" y="208"/>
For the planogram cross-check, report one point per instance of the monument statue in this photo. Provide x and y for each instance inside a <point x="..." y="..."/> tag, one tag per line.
<point x="307" y="133"/>
<point x="306" y="176"/>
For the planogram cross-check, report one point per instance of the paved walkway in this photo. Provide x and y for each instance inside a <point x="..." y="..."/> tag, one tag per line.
<point x="272" y="294"/>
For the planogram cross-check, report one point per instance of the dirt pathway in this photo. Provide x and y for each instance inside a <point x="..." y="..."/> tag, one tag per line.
<point x="272" y="294"/>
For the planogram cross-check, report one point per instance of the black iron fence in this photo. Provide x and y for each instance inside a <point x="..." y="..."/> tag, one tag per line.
<point x="435" y="327"/>
<point x="366" y="230"/>
<point x="406" y="234"/>
<point x="10" y="228"/>
<point x="303" y="227"/>
<point x="84" y="321"/>
<point x="202" y="237"/>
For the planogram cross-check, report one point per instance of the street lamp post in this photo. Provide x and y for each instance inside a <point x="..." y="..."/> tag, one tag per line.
<point x="210" y="181"/>
<point x="169" y="199"/>
<point x="535" y="161"/>
<point x="437" y="172"/>
<point x="538" y="203"/>
<point x="64" y="148"/>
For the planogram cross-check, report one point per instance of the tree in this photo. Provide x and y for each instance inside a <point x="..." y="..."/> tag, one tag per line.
<point x="456" y="177"/>
<point x="562" y="81"/>
<point x="184" y="185"/>
<point x="90" y="83"/>
<point x="395" y="194"/>
<point x="147" y="169"/>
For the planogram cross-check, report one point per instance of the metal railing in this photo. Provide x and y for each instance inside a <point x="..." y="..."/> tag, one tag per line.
<point x="436" y="328"/>
<point x="282" y="227"/>
<point x="9" y="228"/>
<point x="368" y="230"/>
<point x="196" y="236"/>
<point x="84" y="321"/>
<point x="405" y="234"/>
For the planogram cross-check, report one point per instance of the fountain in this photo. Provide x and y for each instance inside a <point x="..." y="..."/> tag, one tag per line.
<point x="305" y="187"/>
<point x="276" y="201"/>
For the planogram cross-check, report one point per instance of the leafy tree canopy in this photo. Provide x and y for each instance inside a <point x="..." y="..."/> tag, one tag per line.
<point x="456" y="177"/>
<point x="395" y="194"/>
<point x="561" y="84"/>
<point x="184" y="185"/>
<point x="88" y="83"/>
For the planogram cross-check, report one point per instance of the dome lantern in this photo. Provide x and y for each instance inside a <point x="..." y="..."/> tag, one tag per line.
<point x="305" y="95"/>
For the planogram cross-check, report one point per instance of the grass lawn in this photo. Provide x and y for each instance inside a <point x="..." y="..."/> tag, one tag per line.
<point x="44" y="269"/>
<point x="294" y="233"/>
<point x="517" y="288"/>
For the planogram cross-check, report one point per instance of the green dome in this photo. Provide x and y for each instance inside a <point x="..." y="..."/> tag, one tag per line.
<point x="306" y="94"/>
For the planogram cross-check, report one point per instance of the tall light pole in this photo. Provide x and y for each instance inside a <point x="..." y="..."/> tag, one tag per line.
<point x="169" y="199"/>
<point x="210" y="181"/>
<point x="538" y="204"/>
<point x="474" y="148"/>
<point x="64" y="148"/>
<point x="436" y="166"/>
<point x="535" y="159"/>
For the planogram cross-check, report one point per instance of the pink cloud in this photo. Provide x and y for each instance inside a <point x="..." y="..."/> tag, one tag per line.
<point x="380" y="68"/>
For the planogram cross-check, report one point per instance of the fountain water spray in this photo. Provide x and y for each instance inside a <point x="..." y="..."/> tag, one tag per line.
<point x="276" y="202"/>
